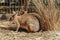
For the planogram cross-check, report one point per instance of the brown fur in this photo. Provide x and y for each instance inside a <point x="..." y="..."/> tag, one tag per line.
<point x="27" y="21"/>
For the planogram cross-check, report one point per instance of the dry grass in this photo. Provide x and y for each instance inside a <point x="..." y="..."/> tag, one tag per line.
<point x="50" y="16"/>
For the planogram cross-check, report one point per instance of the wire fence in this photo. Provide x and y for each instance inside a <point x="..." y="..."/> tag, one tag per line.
<point x="7" y="6"/>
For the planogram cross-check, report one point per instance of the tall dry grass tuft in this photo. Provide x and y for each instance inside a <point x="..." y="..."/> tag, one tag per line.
<point x="50" y="16"/>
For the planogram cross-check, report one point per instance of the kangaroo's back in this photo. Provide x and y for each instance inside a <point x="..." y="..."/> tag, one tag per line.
<point x="32" y="20"/>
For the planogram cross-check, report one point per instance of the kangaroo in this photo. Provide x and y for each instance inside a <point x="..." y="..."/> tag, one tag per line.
<point x="27" y="21"/>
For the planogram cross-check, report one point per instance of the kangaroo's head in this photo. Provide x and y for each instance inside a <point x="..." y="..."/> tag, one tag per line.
<point x="17" y="13"/>
<point x="12" y="16"/>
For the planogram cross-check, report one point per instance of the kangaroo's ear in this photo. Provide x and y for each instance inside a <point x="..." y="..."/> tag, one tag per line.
<point x="25" y="12"/>
<point x="14" y="12"/>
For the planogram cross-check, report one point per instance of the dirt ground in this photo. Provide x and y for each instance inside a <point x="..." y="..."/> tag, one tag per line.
<point x="12" y="35"/>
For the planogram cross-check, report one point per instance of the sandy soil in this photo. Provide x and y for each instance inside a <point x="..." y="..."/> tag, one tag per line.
<point x="12" y="35"/>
